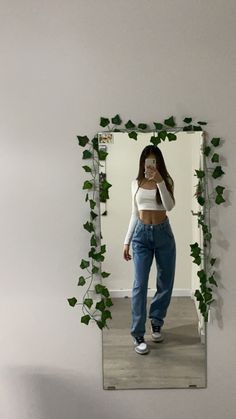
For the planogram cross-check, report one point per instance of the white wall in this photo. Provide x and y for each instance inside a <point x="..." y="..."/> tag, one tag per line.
<point x="63" y="65"/>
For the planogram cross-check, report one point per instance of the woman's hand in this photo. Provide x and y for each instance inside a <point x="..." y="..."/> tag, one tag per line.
<point x="126" y="253"/>
<point x="153" y="174"/>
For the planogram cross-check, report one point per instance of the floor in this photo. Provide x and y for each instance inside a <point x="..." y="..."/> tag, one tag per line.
<point x="177" y="362"/>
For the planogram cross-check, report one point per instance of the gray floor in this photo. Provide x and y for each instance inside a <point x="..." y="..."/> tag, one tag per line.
<point x="177" y="362"/>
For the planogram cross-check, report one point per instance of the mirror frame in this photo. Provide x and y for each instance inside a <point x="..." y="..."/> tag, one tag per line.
<point x="96" y="301"/>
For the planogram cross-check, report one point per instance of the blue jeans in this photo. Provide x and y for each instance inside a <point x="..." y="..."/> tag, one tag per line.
<point x="149" y="240"/>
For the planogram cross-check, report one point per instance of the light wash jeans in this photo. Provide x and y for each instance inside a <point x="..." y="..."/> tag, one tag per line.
<point x="151" y="240"/>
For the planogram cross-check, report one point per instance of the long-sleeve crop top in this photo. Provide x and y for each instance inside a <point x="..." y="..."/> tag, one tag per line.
<point x="145" y="199"/>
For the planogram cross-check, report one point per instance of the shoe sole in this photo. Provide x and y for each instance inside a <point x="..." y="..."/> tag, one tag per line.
<point x="141" y="353"/>
<point x="157" y="339"/>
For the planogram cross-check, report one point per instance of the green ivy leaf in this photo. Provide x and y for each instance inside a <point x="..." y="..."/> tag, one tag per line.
<point x="219" y="189"/>
<point x="105" y="274"/>
<point x="202" y="123"/>
<point x="95" y="270"/>
<point x="212" y="280"/>
<point x="200" y="173"/>
<point x="198" y="295"/>
<point x="95" y="143"/>
<point x="202" y="276"/>
<point x="101" y="305"/>
<point x="85" y="319"/>
<point x="96" y="256"/>
<point x="187" y="120"/>
<point x="207" y="296"/>
<point x="81" y="281"/>
<point x="197" y="128"/>
<point x="87" y="154"/>
<point x="84" y="264"/>
<point x="206" y="151"/>
<point x="101" y="289"/>
<point x="105" y="185"/>
<point x="101" y="324"/>
<point x="188" y="128"/>
<point x="215" y="158"/>
<point x="170" y="122"/>
<point x="116" y="120"/>
<point x="129" y="124"/>
<point x="72" y="301"/>
<point x="102" y="154"/>
<point x="105" y="292"/>
<point x="202" y="307"/>
<point x="86" y="198"/>
<point x="103" y="248"/>
<point x="208" y="236"/>
<point x="87" y="185"/>
<point x="104" y="195"/>
<point x="83" y="140"/>
<point x="104" y="122"/>
<point x="162" y="135"/>
<point x="142" y="126"/>
<point x="88" y="226"/>
<point x="92" y="204"/>
<point x="195" y="250"/>
<point x="93" y="241"/>
<point x="106" y="314"/>
<point x="93" y="215"/>
<point x="98" y="288"/>
<point x="87" y="168"/>
<point x="217" y="172"/>
<point x="204" y="228"/>
<point x="212" y="261"/>
<point x="219" y="199"/>
<point x="133" y="134"/>
<point x="88" y="302"/>
<point x="155" y="140"/>
<point x="201" y="200"/>
<point x="197" y="260"/>
<point x="158" y="125"/>
<point x="109" y="303"/>
<point x="215" y="142"/>
<point x="171" y="136"/>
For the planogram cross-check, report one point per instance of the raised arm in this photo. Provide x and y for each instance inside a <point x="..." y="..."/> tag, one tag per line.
<point x="166" y="197"/>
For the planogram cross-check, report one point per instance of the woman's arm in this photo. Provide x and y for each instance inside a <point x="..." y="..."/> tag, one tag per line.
<point x="166" y="197"/>
<point x="134" y="215"/>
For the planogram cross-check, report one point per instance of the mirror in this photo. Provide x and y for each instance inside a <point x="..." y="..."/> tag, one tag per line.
<point x="179" y="361"/>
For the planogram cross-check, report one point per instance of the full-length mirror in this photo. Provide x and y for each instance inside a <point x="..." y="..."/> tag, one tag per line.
<point x="173" y="356"/>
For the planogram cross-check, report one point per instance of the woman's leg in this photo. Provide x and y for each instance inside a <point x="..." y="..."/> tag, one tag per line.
<point x="142" y="257"/>
<point x="165" y="255"/>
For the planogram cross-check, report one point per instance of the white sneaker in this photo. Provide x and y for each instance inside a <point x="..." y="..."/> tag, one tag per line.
<point x="140" y="345"/>
<point x="156" y="333"/>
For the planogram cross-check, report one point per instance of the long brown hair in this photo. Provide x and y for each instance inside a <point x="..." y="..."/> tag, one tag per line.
<point x="161" y="167"/>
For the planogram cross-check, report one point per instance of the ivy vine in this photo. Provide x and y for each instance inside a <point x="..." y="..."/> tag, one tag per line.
<point x="98" y="191"/>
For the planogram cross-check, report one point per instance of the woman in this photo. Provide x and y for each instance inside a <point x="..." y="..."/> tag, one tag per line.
<point x="151" y="235"/>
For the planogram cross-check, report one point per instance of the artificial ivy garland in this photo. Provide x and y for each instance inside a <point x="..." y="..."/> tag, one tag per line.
<point x="99" y="191"/>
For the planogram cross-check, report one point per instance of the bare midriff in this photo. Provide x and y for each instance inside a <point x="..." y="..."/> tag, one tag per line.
<point x="152" y="216"/>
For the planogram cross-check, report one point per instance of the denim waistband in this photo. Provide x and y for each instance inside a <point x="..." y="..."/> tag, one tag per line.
<point x="158" y="226"/>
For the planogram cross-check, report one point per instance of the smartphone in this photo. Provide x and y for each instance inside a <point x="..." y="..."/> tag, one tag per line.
<point x="149" y="162"/>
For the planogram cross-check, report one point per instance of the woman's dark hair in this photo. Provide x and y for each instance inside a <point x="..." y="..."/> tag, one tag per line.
<point x="161" y="167"/>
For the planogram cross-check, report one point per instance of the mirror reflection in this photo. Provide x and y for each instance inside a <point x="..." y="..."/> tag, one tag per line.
<point x="156" y="338"/>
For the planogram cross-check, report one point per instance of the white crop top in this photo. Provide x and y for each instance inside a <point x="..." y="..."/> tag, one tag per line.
<point x="145" y="199"/>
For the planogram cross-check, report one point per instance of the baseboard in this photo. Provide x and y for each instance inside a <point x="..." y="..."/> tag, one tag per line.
<point x="124" y="293"/>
